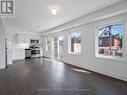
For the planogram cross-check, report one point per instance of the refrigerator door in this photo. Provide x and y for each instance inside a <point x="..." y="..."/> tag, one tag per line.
<point x="8" y="52"/>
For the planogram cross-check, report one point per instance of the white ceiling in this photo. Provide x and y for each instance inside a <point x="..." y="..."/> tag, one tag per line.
<point x="35" y="15"/>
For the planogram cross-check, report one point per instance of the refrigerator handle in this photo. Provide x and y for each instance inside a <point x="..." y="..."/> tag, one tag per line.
<point x="6" y="53"/>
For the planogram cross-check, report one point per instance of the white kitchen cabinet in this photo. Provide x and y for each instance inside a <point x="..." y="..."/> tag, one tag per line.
<point x="18" y="54"/>
<point x="22" y="38"/>
<point x="25" y="38"/>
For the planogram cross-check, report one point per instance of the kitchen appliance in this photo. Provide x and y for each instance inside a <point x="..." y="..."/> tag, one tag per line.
<point x="34" y="42"/>
<point x="35" y="51"/>
<point x="6" y="65"/>
<point x="28" y="53"/>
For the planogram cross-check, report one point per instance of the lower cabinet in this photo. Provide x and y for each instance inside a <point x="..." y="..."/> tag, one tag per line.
<point x="18" y="54"/>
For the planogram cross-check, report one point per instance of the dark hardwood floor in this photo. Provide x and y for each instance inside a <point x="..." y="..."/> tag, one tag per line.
<point x="42" y="77"/>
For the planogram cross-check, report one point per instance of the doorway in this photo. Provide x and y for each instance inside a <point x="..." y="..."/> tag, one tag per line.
<point x="57" y="47"/>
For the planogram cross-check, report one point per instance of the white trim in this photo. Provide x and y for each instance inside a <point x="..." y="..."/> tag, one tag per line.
<point x="125" y="39"/>
<point x="52" y="47"/>
<point x="46" y="44"/>
<point x="58" y="47"/>
<point x="3" y="67"/>
<point x="74" y="53"/>
<point x="110" y="58"/>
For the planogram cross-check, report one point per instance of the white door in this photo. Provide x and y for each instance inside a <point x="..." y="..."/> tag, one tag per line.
<point x="52" y="48"/>
<point x="57" y="47"/>
<point x="60" y="47"/>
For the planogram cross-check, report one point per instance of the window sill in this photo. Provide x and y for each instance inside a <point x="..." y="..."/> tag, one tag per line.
<point x="111" y="58"/>
<point x="72" y="53"/>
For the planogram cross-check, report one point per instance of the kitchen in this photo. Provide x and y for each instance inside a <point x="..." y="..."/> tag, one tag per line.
<point x="22" y="44"/>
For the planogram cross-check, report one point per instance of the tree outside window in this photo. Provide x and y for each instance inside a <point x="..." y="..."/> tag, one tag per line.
<point x="75" y="42"/>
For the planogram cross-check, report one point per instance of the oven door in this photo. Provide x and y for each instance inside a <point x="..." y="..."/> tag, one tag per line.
<point x="35" y="51"/>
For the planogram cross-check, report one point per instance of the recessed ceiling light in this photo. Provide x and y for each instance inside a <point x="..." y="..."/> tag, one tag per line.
<point x="53" y="10"/>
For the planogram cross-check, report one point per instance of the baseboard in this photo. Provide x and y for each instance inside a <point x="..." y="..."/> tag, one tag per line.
<point x="46" y="57"/>
<point x="111" y="75"/>
<point x="3" y="67"/>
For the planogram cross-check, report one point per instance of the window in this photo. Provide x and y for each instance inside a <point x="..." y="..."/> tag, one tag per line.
<point x="100" y="41"/>
<point x="47" y="43"/>
<point x="110" y="40"/>
<point x="74" y="43"/>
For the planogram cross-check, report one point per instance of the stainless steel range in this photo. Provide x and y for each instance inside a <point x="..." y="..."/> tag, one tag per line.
<point x="35" y="51"/>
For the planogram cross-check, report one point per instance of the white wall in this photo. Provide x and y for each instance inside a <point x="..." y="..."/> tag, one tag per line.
<point x="87" y="59"/>
<point x="2" y="46"/>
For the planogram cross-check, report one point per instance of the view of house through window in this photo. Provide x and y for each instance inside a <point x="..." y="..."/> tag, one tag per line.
<point x="47" y="43"/>
<point x="75" y="42"/>
<point x="110" y="40"/>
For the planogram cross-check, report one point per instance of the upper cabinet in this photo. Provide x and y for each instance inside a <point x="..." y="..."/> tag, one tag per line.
<point x="27" y="38"/>
<point x="22" y="38"/>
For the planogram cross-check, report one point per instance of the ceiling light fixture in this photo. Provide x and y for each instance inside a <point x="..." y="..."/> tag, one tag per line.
<point x="53" y="10"/>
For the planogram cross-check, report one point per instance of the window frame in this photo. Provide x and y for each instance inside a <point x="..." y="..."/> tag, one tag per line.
<point x="124" y="40"/>
<point x="69" y="44"/>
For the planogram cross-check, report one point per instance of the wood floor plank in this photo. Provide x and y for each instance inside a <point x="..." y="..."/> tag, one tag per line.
<point x="43" y="77"/>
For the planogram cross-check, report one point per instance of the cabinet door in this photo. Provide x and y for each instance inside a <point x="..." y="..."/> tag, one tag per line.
<point x="27" y="38"/>
<point x="21" y="38"/>
<point x="18" y="54"/>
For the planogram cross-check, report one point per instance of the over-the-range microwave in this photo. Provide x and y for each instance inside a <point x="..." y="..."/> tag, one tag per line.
<point x="33" y="41"/>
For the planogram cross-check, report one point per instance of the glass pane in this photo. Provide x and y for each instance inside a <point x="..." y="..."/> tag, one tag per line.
<point x="76" y="42"/>
<point x="110" y="40"/>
